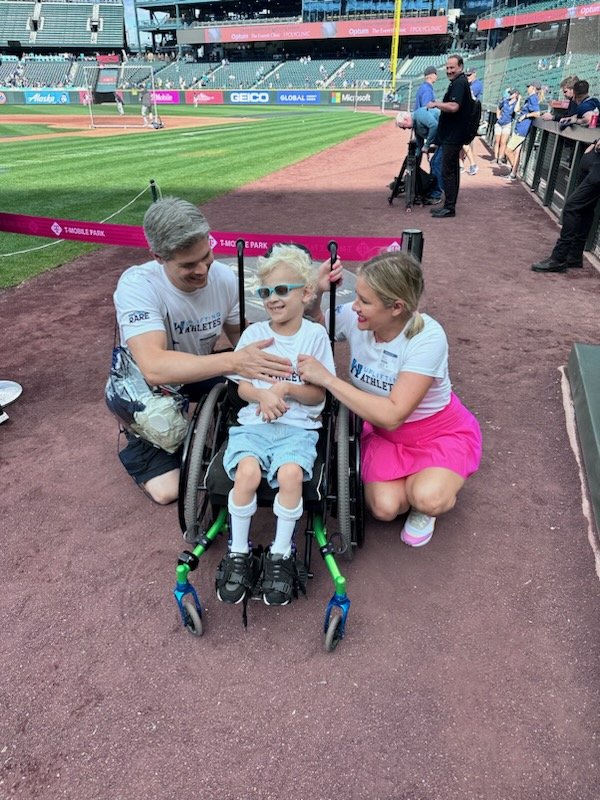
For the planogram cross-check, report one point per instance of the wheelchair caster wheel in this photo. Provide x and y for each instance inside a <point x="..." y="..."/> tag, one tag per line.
<point x="194" y="620"/>
<point x="333" y="634"/>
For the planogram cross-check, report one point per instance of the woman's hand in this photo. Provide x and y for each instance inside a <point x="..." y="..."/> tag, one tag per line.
<point x="328" y="274"/>
<point x="312" y="371"/>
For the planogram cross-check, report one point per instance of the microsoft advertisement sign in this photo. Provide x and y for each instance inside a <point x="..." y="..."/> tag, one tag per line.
<point x="360" y="97"/>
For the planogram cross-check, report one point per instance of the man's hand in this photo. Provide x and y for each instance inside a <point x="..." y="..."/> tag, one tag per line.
<point x="253" y="362"/>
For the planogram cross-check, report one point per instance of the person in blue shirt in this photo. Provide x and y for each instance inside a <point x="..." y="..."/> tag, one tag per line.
<point x="529" y="111"/>
<point x="505" y="113"/>
<point x="476" y="87"/>
<point x="566" y="86"/>
<point x="425" y="93"/>
<point x="586" y="106"/>
<point x="424" y="122"/>
<point x="475" y="84"/>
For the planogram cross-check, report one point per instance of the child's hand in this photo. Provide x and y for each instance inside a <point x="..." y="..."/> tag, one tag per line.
<point x="271" y="405"/>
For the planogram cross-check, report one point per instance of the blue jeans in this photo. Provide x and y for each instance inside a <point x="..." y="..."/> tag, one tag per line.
<point x="435" y="167"/>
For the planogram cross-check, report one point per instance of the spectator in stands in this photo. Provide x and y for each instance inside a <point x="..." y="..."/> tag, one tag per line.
<point x="505" y="113"/>
<point x="566" y="86"/>
<point x="577" y="217"/>
<point x="424" y="122"/>
<point x="586" y="106"/>
<point x="425" y="93"/>
<point x="170" y="313"/>
<point x="529" y="111"/>
<point x="451" y="131"/>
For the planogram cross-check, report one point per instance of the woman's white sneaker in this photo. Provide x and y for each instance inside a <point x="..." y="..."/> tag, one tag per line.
<point x="418" y="529"/>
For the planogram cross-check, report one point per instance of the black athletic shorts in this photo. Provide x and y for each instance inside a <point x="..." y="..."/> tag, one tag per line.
<point x="142" y="460"/>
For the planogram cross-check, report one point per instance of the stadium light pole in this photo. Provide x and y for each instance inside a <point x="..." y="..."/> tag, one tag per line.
<point x="395" y="41"/>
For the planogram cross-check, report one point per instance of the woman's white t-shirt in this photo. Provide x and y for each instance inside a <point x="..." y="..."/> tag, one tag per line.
<point x="375" y="366"/>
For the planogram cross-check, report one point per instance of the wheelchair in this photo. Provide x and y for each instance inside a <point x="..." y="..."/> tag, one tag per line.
<point x="333" y="499"/>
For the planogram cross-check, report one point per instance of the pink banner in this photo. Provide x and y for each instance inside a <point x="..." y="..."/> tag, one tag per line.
<point x="554" y="15"/>
<point x="224" y="243"/>
<point x="166" y="97"/>
<point x="201" y="97"/>
<point x="329" y="29"/>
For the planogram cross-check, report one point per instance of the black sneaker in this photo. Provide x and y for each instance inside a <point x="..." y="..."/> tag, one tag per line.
<point x="549" y="265"/>
<point x="236" y="576"/>
<point x="279" y="579"/>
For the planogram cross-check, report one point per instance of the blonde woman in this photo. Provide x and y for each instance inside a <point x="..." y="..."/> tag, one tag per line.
<point x="419" y="442"/>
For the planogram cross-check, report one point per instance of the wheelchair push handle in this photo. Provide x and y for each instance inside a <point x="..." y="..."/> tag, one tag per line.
<point x="333" y="254"/>
<point x="240" y="246"/>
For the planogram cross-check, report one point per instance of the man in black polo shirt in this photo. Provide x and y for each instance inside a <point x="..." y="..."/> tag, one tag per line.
<point x="451" y="131"/>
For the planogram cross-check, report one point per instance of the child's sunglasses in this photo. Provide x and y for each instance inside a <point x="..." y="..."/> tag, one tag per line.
<point x="281" y="290"/>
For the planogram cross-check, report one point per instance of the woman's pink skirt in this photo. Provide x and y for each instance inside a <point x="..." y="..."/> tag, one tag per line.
<point x="450" y="439"/>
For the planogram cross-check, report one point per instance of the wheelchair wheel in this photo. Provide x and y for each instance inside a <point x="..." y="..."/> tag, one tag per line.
<point x="350" y="498"/>
<point x="332" y="636"/>
<point x="194" y="620"/>
<point x="194" y="504"/>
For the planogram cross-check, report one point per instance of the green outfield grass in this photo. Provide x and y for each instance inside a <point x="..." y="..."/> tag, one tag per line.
<point x="92" y="178"/>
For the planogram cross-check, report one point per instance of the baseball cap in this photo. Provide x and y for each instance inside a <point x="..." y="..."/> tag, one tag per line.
<point x="535" y="84"/>
<point x="430" y="71"/>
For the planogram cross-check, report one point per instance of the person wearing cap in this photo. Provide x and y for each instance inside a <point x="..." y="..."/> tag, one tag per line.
<point x="476" y="87"/>
<point x="475" y="84"/>
<point x="425" y="93"/>
<point x="170" y="312"/>
<point x="530" y="110"/>
<point x="507" y="108"/>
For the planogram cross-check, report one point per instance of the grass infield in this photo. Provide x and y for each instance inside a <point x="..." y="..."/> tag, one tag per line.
<point x="89" y="179"/>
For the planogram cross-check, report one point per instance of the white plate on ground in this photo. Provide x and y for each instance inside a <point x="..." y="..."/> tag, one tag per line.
<point x="9" y="391"/>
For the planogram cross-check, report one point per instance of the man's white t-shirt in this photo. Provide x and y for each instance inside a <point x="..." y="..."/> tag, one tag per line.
<point x="311" y="339"/>
<point x="375" y="366"/>
<point x="146" y="300"/>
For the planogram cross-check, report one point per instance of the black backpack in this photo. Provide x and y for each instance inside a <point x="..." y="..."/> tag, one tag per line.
<point x="472" y="119"/>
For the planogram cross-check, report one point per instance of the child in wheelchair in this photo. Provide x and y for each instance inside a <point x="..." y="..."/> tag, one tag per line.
<point x="276" y="435"/>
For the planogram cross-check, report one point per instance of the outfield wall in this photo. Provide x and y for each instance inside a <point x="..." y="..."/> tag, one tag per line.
<point x="202" y="97"/>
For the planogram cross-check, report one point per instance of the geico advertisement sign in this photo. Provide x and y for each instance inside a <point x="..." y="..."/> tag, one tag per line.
<point x="248" y="97"/>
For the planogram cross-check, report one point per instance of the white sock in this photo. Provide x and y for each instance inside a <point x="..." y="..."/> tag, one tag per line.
<point x="241" y="517"/>
<point x="286" y="522"/>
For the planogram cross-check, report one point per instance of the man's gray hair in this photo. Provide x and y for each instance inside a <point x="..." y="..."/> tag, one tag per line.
<point x="404" y="119"/>
<point x="171" y="224"/>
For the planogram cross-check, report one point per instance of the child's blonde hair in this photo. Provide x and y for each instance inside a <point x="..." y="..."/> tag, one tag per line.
<point x="291" y="256"/>
<point x="397" y="276"/>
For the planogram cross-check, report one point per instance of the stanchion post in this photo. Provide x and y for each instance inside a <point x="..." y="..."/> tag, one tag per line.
<point x="154" y="190"/>
<point x="412" y="242"/>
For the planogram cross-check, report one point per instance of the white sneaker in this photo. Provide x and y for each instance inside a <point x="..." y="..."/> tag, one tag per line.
<point x="418" y="529"/>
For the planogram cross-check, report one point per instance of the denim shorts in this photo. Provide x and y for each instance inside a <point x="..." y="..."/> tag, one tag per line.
<point x="272" y="445"/>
